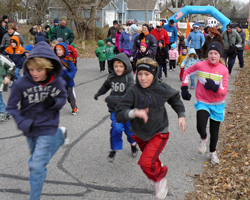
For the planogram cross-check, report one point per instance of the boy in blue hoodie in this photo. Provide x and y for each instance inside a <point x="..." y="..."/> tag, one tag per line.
<point x="119" y="81"/>
<point x="42" y="95"/>
<point x="68" y="74"/>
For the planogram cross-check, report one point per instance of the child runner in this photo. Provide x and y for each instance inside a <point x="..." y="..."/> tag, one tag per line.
<point x="117" y="39"/>
<point x="143" y="104"/>
<point x="173" y="55"/>
<point x="109" y="50"/>
<point x="142" y="52"/>
<point x="15" y="53"/>
<point x="7" y="72"/>
<point x="190" y="60"/>
<point x="42" y="95"/>
<point x="100" y="53"/>
<point x="53" y="44"/>
<point x="162" y="59"/>
<point x="68" y="74"/>
<point x="119" y="80"/>
<point x="180" y="59"/>
<point x="211" y="92"/>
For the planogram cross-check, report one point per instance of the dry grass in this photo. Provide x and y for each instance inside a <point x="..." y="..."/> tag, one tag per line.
<point x="230" y="180"/>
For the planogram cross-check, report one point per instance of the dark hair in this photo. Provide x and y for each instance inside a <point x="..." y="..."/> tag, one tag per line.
<point x="171" y="21"/>
<point x="115" y="22"/>
<point x="230" y="25"/>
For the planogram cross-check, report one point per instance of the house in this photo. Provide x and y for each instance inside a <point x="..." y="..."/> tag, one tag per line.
<point x="136" y="9"/>
<point x="105" y="15"/>
<point x="169" y="12"/>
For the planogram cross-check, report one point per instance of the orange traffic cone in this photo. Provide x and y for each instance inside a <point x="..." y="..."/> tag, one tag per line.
<point x="246" y="47"/>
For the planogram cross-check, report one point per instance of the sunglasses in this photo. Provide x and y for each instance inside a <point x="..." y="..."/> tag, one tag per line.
<point x="195" y="27"/>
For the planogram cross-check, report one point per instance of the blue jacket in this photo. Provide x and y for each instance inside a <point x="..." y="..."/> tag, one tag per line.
<point x="69" y="71"/>
<point x="124" y="39"/>
<point x="172" y="33"/>
<point x="197" y="40"/>
<point x="33" y="118"/>
<point x="189" y="61"/>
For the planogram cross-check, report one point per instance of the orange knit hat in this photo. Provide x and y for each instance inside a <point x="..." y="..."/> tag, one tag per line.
<point x="61" y="47"/>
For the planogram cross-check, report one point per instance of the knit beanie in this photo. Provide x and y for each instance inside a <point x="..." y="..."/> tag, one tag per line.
<point x="161" y="41"/>
<point x="196" y="25"/>
<point x="108" y="40"/>
<point x="134" y="27"/>
<point x="56" y="20"/>
<point x="238" y="25"/>
<point x="173" y="45"/>
<point x="143" y="44"/>
<point x="63" y="18"/>
<point x="146" y="67"/>
<point x="5" y="17"/>
<point x="47" y="26"/>
<point x="73" y="45"/>
<point x="28" y="48"/>
<point x="119" y="27"/>
<point x="40" y="38"/>
<point x="215" y="46"/>
<point x="61" y="47"/>
<point x="13" y="41"/>
<point x="146" y="26"/>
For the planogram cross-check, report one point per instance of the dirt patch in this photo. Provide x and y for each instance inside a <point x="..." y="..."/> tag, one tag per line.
<point x="230" y="180"/>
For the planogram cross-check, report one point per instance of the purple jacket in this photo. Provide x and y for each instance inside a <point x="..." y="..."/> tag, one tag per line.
<point x="32" y="117"/>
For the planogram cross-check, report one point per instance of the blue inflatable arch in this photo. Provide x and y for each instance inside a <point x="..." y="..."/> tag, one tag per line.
<point x="201" y="10"/>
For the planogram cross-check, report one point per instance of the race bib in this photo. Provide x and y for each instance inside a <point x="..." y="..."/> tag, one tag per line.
<point x="113" y="40"/>
<point x="169" y="34"/>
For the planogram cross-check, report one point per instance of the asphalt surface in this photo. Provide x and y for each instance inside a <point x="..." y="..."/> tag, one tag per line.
<point x="81" y="171"/>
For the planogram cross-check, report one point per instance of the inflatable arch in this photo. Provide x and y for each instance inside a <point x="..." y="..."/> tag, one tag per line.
<point x="201" y="10"/>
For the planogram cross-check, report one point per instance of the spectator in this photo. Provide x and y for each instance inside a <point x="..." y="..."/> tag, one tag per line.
<point x="231" y="38"/>
<point x="213" y="35"/>
<point x="147" y="38"/>
<point x="112" y="31"/>
<point x="56" y="23"/>
<point x="202" y="31"/>
<point x="11" y="28"/>
<point x="38" y="32"/>
<point x="197" y="39"/>
<point x="63" y="31"/>
<point x="151" y="27"/>
<point x="2" y="30"/>
<point x="172" y="32"/>
<point x="240" y="50"/>
<point x="6" y="19"/>
<point x="160" y="33"/>
<point x="219" y="29"/>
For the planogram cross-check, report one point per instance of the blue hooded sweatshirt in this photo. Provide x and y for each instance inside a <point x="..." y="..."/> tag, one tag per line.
<point x="172" y="33"/>
<point x="69" y="71"/>
<point x="197" y="40"/>
<point x="33" y="118"/>
<point x="189" y="61"/>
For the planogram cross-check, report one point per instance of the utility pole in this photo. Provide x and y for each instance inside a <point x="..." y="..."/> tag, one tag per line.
<point x="176" y="6"/>
<point x="146" y="15"/>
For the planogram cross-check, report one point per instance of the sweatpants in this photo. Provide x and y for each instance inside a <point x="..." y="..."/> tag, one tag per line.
<point x="102" y="65"/>
<point x="172" y="64"/>
<point x="181" y="72"/>
<point x="202" y="118"/>
<point x="149" y="160"/>
<point x="71" y="98"/>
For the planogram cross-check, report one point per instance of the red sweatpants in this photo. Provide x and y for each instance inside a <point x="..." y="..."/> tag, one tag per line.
<point x="149" y="160"/>
<point x="181" y="73"/>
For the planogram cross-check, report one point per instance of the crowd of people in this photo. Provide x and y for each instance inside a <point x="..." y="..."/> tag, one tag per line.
<point x="136" y="102"/>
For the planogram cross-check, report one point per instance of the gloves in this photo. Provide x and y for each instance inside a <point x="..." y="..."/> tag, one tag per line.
<point x="210" y="85"/>
<point x="96" y="96"/>
<point x="66" y="78"/>
<point x="131" y="59"/>
<point x="104" y="51"/>
<point x="185" y="94"/>
<point x="166" y="61"/>
<point x="49" y="102"/>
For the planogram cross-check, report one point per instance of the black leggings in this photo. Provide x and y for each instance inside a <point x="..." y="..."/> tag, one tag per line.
<point x="202" y="118"/>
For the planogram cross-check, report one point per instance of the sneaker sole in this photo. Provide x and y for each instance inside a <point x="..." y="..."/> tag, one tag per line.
<point x="65" y="135"/>
<point x="161" y="197"/>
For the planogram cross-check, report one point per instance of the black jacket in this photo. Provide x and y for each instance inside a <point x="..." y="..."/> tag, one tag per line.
<point x="2" y="32"/>
<point x="161" y="55"/>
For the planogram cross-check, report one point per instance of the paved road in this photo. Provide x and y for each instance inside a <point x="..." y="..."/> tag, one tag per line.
<point x="81" y="171"/>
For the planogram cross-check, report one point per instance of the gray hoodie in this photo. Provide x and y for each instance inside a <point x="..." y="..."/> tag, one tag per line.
<point x="154" y="97"/>
<point x="118" y="84"/>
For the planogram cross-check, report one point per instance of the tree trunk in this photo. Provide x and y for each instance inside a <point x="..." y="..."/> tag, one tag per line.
<point x="90" y="32"/>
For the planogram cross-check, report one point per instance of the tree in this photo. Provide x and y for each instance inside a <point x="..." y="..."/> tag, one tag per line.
<point x="233" y="12"/>
<point x="84" y="15"/>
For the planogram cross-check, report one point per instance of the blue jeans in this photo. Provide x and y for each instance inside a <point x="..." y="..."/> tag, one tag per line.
<point x="17" y="73"/>
<point x="116" y="133"/>
<point x="239" y="53"/>
<point x="42" y="149"/>
<point x="164" y="68"/>
<point x="2" y="104"/>
<point x="192" y="80"/>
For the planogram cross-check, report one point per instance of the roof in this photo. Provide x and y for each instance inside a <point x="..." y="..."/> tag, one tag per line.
<point x="173" y="10"/>
<point x="140" y="4"/>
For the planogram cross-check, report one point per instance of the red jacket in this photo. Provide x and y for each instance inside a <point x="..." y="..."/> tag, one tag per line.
<point x="163" y="34"/>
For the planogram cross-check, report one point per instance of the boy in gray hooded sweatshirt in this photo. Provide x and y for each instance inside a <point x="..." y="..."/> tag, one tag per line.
<point x="119" y="80"/>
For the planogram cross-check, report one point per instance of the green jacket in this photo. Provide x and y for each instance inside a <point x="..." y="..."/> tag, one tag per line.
<point x="99" y="51"/>
<point x="51" y="28"/>
<point x="64" y="32"/>
<point x="109" y="51"/>
<point x="234" y="38"/>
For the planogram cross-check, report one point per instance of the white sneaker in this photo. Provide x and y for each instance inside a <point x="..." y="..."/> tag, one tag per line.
<point x="65" y="135"/>
<point x="214" y="158"/>
<point x="161" y="188"/>
<point x="202" y="146"/>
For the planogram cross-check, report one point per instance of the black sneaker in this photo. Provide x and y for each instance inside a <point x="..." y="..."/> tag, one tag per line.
<point x="111" y="156"/>
<point x="134" y="151"/>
